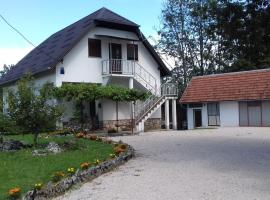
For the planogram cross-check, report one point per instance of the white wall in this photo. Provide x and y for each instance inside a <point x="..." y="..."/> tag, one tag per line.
<point x="39" y="81"/>
<point x="229" y="113"/>
<point x="109" y="110"/>
<point x="79" y="67"/>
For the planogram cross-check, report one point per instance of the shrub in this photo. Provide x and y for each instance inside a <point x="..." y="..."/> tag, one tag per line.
<point x="14" y="193"/>
<point x="57" y="176"/>
<point x="80" y="135"/>
<point x="85" y="165"/>
<point x="71" y="170"/>
<point x="122" y="146"/>
<point x="38" y="186"/>
<point x="118" y="150"/>
<point x="93" y="137"/>
<point x="96" y="162"/>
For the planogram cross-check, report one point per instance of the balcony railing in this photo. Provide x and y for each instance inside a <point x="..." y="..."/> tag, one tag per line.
<point x="118" y="66"/>
<point x="130" y="68"/>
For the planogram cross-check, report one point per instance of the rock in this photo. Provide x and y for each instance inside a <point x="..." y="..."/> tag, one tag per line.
<point x="53" y="147"/>
<point x="12" y="145"/>
<point x="39" y="152"/>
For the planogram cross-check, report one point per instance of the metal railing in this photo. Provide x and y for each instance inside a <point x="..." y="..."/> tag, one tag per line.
<point x="143" y="108"/>
<point x="131" y="68"/>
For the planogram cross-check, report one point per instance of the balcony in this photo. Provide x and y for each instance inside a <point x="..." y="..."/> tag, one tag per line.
<point x="118" y="67"/>
<point x="130" y="68"/>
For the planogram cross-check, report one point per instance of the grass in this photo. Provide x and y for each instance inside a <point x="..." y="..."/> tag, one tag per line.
<point x="22" y="169"/>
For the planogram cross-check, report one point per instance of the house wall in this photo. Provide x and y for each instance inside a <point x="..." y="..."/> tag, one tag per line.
<point x="38" y="82"/>
<point x="229" y="113"/>
<point x="266" y="113"/>
<point x="79" y="67"/>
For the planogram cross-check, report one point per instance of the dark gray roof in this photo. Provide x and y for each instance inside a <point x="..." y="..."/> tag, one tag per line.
<point x="50" y="52"/>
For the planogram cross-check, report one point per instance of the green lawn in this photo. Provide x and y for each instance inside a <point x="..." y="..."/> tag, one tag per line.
<point x="21" y="169"/>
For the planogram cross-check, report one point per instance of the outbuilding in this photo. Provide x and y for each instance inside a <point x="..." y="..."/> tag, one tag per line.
<point x="228" y="100"/>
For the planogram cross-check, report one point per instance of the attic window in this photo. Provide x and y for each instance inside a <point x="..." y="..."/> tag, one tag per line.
<point x="62" y="70"/>
<point x="132" y="51"/>
<point x="94" y="47"/>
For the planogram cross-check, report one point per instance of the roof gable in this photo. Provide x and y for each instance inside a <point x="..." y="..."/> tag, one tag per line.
<point x="50" y="52"/>
<point x="249" y="85"/>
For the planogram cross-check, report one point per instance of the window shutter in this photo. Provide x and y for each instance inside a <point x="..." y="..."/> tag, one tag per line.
<point x="94" y="47"/>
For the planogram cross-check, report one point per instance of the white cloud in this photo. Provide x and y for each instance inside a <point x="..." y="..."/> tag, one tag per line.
<point x="12" y="55"/>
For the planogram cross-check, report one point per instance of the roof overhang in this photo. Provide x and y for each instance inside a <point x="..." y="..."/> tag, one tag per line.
<point x="115" y="37"/>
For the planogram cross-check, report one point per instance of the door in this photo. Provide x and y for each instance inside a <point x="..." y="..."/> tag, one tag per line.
<point x="115" y="57"/>
<point x="197" y="118"/>
<point x="254" y="115"/>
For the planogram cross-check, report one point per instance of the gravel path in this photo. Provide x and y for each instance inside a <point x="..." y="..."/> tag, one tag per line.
<point x="209" y="164"/>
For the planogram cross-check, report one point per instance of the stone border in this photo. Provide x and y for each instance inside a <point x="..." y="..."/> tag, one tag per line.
<point x="55" y="189"/>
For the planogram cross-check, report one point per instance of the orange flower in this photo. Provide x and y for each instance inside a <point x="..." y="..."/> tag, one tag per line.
<point x="14" y="191"/>
<point x="118" y="150"/>
<point x="85" y="165"/>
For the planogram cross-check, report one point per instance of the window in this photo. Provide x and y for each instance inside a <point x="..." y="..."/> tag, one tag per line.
<point x="62" y="70"/>
<point x="213" y="114"/>
<point x="94" y="47"/>
<point x="132" y="51"/>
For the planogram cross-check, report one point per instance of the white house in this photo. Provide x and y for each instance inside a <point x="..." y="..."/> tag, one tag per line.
<point x="228" y="100"/>
<point x="103" y="48"/>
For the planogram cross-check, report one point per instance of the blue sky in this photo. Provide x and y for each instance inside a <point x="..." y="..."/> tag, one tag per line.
<point x="38" y="19"/>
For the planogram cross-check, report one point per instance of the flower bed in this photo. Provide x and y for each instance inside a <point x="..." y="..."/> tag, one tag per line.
<point x="86" y="173"/>
<point x="40" y="169"/>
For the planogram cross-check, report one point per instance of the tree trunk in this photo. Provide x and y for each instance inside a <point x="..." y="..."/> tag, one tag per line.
<point x="117" y="122"/>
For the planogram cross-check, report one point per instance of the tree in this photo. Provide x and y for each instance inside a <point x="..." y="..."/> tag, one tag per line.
<point x="243" y="29"/>
<point x="33" y="109"/>
<point x="183" y="36"/>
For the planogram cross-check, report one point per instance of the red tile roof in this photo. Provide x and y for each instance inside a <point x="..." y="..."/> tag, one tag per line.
<point x="249" y="85"/>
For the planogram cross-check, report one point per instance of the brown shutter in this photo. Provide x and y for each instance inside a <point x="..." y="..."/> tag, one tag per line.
<point x="94" y="47"/>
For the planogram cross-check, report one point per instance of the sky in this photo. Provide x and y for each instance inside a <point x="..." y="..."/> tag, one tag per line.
<point x="38" y="19"/>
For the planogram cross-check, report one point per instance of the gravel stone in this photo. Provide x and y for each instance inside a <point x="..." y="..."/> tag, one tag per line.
<point x="207" y="164"/>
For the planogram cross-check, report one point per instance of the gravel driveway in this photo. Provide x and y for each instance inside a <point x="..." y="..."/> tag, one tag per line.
<point x="208" y="164"/>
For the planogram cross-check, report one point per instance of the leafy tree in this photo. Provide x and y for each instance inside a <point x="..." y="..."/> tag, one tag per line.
<point x="184" y="37"/>
<point x="7" y="125"/>
<point x="32" y="109"/>
<point x="243" y="30"/>
<point x="205" y="37"/>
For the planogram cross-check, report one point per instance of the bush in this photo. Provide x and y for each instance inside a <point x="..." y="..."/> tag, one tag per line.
<point x="118" y="150"/>
<point x="80" y="135"/>
<point x="7" y="125"/>
<point x="85" y="165"/>
<point x="14" y="193"/>
<point x="57" y="176"/>
<point x="93" y="137"/>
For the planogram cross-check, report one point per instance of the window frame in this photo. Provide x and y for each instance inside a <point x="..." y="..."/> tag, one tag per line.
<point x="216" y="115"/>
<point x="97" y="52"/>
